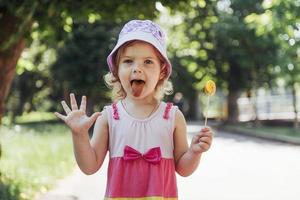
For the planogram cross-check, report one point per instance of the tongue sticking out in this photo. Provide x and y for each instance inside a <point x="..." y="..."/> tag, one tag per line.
<point x="137" y="87"/>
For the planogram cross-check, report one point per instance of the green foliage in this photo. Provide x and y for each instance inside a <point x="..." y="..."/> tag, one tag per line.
<point x="30" y="88"/>
<point x="8" y="191"/>
<point x="281" y="19"/>
<point x="48" y="26"/>
<point x="190" y="46"/>
<point x="288" y="37"/>
<point x="240" y="44"/>
<point x="27" y="90"/>
<point x="32" y="158"/>
<point x="35" y="117"/>
<point x="81" y="63"/>
<point x="193" y="43"/>
<point x="55" y="19"/>
<point x="229" y="41"/>
<point x="249" y="55"/>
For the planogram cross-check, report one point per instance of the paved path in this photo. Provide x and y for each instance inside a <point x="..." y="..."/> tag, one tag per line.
<point x="236" y="168"/>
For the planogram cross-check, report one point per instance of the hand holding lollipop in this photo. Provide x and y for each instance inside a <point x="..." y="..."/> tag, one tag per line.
<point x="209" y="90"/>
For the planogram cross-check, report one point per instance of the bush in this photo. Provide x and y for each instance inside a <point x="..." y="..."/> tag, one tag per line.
<point x="32" y="159"/>
<point x="8" y="191"/>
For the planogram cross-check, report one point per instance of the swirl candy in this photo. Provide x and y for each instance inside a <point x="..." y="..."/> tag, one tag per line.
<point x="210" y="88"/>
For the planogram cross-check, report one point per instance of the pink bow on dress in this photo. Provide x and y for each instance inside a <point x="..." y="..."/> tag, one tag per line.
<point x="153" y="155"/>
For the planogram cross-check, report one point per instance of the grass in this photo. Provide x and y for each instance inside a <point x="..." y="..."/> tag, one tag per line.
<point x="288" y="131"/>
<point x="34" y="157"/>
<point x="272" y="130"/>
<point x="36" y="117"/>
<point x="32" y="117"/>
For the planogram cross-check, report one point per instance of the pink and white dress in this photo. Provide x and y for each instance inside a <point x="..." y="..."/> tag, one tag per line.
<point x="141" y="164"/>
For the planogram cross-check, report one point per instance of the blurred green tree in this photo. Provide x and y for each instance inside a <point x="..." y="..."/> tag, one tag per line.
<point x="192" y="48"/>
<point x="244" y="55"/>
<point x="53" y="20"/>
<point x="285" y="15"/>
<point x="216" y="40"/>
<point x="81" y="63"/>
<point x="30" y="87"/>
<point x="282" y="20"/>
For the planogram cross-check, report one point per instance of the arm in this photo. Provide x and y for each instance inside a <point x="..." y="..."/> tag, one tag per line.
<point x="89" y="155"/>
<point x="188" y="158"/>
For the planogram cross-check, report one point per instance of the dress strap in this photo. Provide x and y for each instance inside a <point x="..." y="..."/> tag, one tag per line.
<point x="167" y="110"/>
<point x="115" y="110"/>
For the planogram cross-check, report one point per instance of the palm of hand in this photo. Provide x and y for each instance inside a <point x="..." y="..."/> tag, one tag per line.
<point x="76" y="118"/>
<point x="78" y="121"/>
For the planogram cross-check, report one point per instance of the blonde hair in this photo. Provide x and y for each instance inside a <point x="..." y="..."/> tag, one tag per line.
<point x="163" y="87"/>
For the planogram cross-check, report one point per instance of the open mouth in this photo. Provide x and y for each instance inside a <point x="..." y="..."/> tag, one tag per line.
<point x="137" y="81"/>
<point x="137" y="86"/>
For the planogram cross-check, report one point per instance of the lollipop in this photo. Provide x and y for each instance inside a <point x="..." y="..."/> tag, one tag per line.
<point x="209" y="90"/>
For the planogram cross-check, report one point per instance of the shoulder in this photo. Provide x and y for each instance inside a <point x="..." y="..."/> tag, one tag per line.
<point x="179" y="120"/>
<point x="103" y="118"/>
<point x="180" y="136"/>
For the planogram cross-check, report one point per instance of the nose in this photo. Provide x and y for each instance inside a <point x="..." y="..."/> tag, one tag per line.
<point x="136" y="69"/>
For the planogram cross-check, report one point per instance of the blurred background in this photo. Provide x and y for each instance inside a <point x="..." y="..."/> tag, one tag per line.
<point x="48" y="49"/>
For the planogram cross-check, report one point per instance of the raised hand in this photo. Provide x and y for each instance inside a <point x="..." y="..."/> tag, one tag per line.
<point x="76" y="118"/>
<point x="202" y="141"/>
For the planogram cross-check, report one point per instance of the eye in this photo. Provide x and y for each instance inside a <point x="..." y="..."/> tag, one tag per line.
<point x="128" y="61"/>
<point x="148" y="62"/>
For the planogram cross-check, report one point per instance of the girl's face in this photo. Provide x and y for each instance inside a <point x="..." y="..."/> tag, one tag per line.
<point x="139" y="70"/>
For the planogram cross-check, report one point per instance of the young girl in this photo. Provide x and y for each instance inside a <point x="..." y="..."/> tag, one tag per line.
<point x="146" y="137"/>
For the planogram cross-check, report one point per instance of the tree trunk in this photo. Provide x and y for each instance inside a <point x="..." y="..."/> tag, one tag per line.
<point x="8" y="56"/>
<point x="8" y="62"/>
<point x="234" y="87"/>
<point x="233" y="112"/>
<point x="255" y="108"/>
<point x="194" y="112"/>
<point x="296" y="122"/>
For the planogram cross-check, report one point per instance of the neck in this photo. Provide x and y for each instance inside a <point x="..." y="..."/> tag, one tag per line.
<point x="141" y="102"/>
<point x="140" y="108"/>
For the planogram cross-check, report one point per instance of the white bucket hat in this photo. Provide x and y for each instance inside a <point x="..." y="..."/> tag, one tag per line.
<point x="144" y="30"/>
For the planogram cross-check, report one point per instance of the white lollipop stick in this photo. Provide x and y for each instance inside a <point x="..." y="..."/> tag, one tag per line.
<point x="207" y="108"/>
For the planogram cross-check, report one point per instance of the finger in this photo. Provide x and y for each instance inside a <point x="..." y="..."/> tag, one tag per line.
<point x="204" y="146"/>
<point x="205" y="134"/>
<point x="60" y="116"/>
<point x="65" y="107"/>
<point x="73" y="102"/>
<point x="195" y="139"/>
<point x="205" y="139"/>
<point x="207" y="129"/>
<point x="95" y="116"/>
<point x="83" y="104"/>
